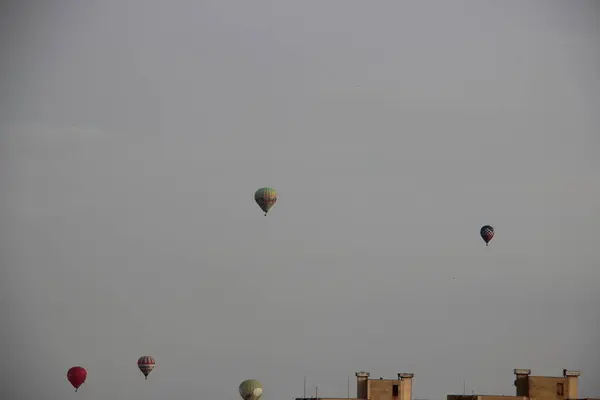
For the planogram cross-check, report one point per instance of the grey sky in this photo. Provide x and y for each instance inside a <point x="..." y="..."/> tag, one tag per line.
<point x="134" y="133"/>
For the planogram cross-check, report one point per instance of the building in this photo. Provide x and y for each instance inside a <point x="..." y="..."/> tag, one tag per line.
<point x="377" y="389"/>
<point x="530" y="387"/>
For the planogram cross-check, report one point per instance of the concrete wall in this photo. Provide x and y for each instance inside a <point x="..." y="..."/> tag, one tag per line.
<point x="326" y="398"/>
<point x="483" y="397"/>
<point x="501" y="398"/>
<point x="383" y="389"/>
<point x="461" y="397"/>
<point x="546" y="388"/>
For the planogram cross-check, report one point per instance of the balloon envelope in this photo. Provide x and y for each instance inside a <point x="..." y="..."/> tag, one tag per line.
<point x="146" y="364"/>
<point x="487" y="233"/>
<point x="77" y="375"/>
<point x="265" y="198"/>
<point x="251" y="389"/>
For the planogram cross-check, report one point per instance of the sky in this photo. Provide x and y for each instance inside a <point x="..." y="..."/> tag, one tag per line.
<point x="133" y="135"/>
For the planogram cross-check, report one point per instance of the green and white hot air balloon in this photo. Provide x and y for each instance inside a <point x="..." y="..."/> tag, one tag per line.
<point x="251" y="389"/>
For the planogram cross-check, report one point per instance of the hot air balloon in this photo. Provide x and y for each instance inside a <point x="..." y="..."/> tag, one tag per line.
<point x="146" y="364"/>
<point x="76" y="375"/>
<point x="251" y="389"/>
<point x="265" y="198"/>
<point x="487" y="233"/>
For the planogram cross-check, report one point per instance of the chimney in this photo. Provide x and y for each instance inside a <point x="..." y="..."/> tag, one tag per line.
<point x="406" y="386"/>
<point x="572" y="383"/>
<point x="522" y="381"/>
<point x="362" y="385"/>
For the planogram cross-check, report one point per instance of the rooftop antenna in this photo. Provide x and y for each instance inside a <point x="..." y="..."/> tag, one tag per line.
<point x="304" y="386"/>
<point x="316" y="392"/>
<point x="464" y="387"/>
<point x="348" y="386"/>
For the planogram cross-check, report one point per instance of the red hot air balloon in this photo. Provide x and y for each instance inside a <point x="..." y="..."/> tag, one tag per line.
<point x="487" y="233"/>
<point x="77" y="375"/>
<point x="146" y="364"/>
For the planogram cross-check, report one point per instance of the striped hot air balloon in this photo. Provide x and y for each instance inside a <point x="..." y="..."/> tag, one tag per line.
<point x="146" y="364"/>
<point x="265" y="198"/>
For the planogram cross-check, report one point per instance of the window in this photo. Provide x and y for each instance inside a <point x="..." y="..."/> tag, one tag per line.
<point x="395" y="391"/>
<point x="560" y="389"/>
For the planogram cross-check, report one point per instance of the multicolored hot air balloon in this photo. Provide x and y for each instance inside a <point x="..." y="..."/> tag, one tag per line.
<point x="251" y="389"/>
<point x="146" y="364"/>
<point x="77" y="376"/>
<point x="487" y="233"/>
<point x="265" y="198"/>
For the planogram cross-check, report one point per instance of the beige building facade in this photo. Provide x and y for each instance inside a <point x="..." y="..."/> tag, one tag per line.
<point x="378" y="389"/>
<point x="531" y="387"/>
